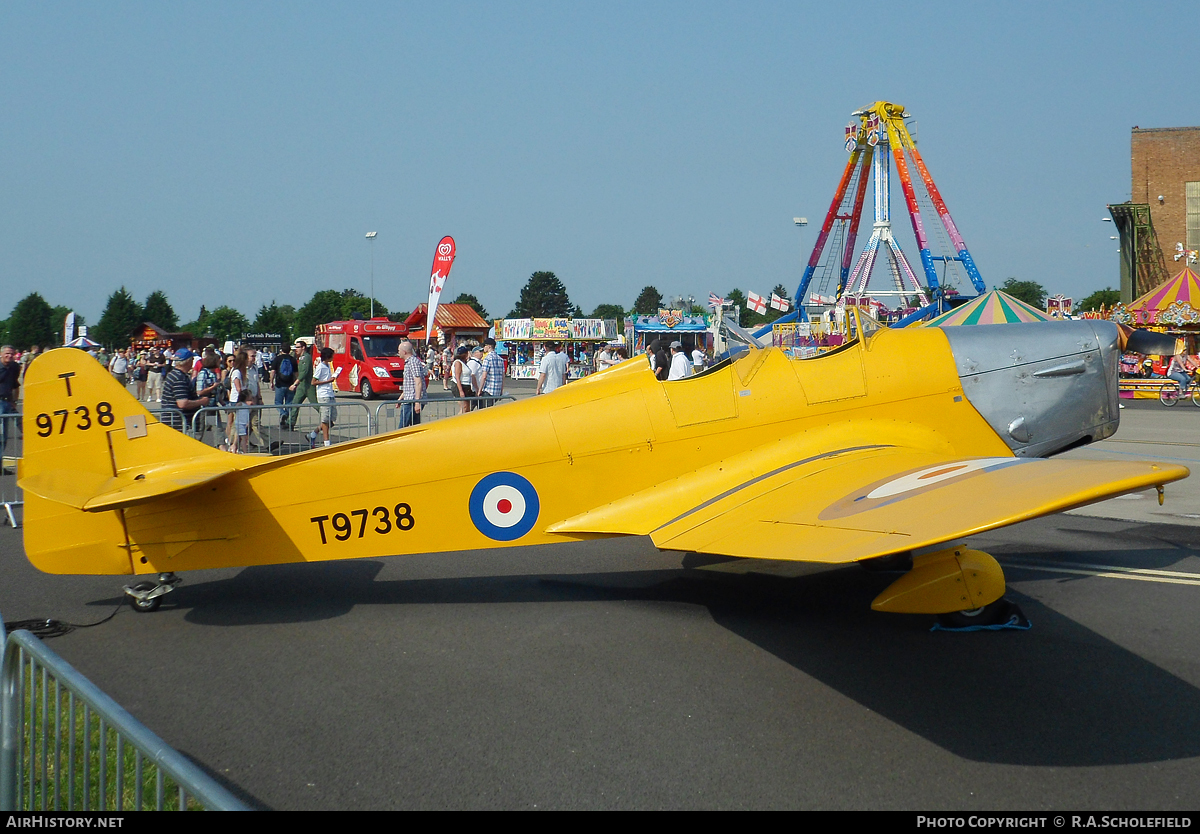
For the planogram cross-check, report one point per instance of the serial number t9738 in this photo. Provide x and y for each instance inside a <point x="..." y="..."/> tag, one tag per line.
<point x="383" y="522"/>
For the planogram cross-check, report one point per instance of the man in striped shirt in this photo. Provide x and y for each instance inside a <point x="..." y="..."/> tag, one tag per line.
<point x="413" y="387"/>
<point x="493" y="374"/>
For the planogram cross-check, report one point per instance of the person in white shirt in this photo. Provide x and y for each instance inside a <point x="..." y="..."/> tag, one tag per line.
<point x="475" y="368"/>
<point x="680" y="367"/>
<point x="552" y="372"/>
<point x="605" y="359"/>
<point x="323" y="382"/>
<point x="698" y="358"/>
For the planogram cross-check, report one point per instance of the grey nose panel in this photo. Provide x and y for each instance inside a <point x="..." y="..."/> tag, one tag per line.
<point x="1042" y="386"/>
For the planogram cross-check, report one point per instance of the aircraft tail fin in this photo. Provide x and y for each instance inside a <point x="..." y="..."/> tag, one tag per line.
<point x="90" y="450"/>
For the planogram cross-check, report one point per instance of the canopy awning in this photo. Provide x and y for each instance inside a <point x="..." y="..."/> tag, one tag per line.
<point x="995" y="307"/>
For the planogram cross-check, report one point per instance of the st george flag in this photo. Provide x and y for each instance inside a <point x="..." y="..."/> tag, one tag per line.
<point x="443" y="259"/>
<point x="779" y="303"/>
<point x="756" y="302"/>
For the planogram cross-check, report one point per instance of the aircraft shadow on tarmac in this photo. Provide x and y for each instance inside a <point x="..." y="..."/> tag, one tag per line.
<point x="1059" y="695"/>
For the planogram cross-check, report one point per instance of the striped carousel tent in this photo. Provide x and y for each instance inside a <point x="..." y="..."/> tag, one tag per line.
<point x="993" y="307"/>
<point x="1176" y="301"/>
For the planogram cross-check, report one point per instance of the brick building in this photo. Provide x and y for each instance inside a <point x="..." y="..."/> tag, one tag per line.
<point x="1166" y="176"/>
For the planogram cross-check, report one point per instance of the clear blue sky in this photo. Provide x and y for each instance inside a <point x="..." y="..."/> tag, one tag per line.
<point x="235" y="153"/>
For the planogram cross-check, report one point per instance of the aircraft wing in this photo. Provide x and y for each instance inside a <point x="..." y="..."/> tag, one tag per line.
<point x="856" y="503"/>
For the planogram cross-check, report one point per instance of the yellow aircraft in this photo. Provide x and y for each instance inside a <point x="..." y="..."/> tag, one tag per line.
<point x="900" y="441"/>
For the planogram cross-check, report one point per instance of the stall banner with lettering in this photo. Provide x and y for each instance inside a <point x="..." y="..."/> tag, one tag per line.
<point x="516" y="329"/>
<point x="551" y="329"/>
<point x="593" y="329"/>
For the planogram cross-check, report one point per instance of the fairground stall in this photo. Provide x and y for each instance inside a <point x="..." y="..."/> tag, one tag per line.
<point x="152" y="336"/>
<point x="526" y="340"/>
<point x="804" y="339"/>
<point x="1172" y="309"/>
<point x="670" y="326"/>
<point x="457" y="324"/>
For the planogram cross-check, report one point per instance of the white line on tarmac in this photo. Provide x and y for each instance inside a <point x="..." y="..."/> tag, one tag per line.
<point x="1110" y="572"/>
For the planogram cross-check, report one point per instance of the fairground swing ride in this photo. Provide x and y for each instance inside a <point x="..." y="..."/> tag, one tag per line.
<point x="836" y="279"/>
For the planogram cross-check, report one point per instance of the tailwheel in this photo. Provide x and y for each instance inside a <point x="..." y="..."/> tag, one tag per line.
<point x="145" y="597"/>
<point x="140" y="601"/>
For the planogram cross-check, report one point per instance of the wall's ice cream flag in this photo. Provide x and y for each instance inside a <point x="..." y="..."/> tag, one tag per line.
<point x="779" y="303"/>
<point x="756" y="302"/>
<point x="716" y="302"/>
<point x="443" y="259"/>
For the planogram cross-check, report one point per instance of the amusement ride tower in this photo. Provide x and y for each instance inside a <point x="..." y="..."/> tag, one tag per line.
<point x="876" y="131"/>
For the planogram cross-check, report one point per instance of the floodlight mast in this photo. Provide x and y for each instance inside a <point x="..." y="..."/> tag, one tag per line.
<point x="371" y="239"/>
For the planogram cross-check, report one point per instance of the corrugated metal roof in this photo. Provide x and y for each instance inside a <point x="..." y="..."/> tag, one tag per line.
<point x="450" y="316"/>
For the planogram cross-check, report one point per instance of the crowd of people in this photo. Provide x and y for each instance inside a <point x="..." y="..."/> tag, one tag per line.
<point x="186" y="381"/>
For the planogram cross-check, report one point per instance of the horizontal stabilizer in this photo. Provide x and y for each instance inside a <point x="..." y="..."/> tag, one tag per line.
<point x="94" y="493"/>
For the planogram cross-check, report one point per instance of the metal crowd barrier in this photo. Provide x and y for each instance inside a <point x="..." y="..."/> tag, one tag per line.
<point x="66" y="746"/>
<point x="269" y="435"/>
<point x="13" y="443"/>
<point x="354" y="421"/>
<point x="387" y="414"/>
<point x="172" y="417"/>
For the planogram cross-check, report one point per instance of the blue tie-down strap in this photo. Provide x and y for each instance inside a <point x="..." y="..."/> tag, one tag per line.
<point x="1007" y="617"/>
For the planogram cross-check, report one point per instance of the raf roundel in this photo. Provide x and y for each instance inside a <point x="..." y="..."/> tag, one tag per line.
<point x="504" y="506"/>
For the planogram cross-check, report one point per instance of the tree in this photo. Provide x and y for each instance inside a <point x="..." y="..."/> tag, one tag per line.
<point x="226" y="323"/>
<point x="121" y="318"/>
<point x="772" y="314"/>
<point x="159" y="311"/>
<point x="649" y="302"/>
<point x="197" y="326"/>
<point x="1106" y="297"/>
<point x="324" y="306"/>
<point x="32" y="323"/>
<point x="543" y="296"/>
<point x="272" y="319"/>
<point x="467" y="298"/>
<point x="355" y="302"/>
<point x="1031" y="292"/>
<point x="609" y="311"/>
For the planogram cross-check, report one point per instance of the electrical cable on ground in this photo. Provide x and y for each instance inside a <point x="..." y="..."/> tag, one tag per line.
<point x="45" y="629"/>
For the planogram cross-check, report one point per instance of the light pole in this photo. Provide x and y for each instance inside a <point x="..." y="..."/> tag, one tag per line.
<point x="800" y="222"/>
<point x="371" y="239"/>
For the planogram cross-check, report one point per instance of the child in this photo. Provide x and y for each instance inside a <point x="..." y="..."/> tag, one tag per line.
<point x="323" y="381"/>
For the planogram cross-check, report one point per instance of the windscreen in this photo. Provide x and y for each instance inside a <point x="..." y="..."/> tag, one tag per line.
<point x="380" y="346"/>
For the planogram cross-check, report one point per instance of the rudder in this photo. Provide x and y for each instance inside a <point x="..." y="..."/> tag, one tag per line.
<point x="89" y="443"/>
